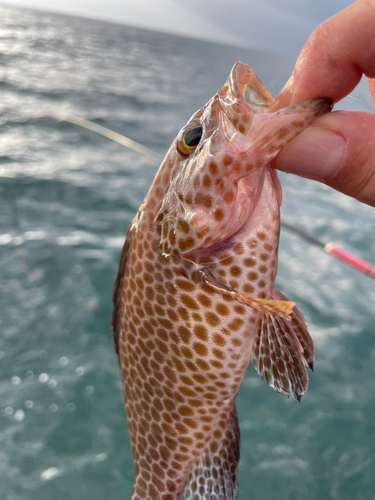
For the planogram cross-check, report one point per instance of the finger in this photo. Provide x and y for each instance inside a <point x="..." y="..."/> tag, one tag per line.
<point x="338" y="150"/>
<point x="284" y="98"/>
<point x="371" y="86"/>
<point x="335" y="56"/>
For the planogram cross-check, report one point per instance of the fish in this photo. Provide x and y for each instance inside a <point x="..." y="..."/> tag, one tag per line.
<point x="194" y="299"/>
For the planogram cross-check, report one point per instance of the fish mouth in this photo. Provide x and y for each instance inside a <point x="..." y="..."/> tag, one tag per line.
<point x="243" y="88"/>
<point x="241" y="136"/>
<point x="242" y="96"/>
<point x="268" y="135"/>
<point x="254" y="136"/>
<point x="245" y="118"/>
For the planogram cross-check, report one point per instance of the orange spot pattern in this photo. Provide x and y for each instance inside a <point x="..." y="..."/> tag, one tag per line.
<point x="182" y="354"/>
<point x="184" y="348"/>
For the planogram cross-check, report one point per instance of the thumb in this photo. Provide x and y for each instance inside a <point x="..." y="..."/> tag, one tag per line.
<point x="338" y="150"/>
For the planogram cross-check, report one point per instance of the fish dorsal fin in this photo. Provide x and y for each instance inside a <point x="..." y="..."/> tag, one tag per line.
<point x="279" y="356"/>
<point x="118" y="289"/>
<point x="215" y="477"/>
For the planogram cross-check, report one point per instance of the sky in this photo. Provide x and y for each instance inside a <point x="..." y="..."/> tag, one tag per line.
<point x="277" y="26"/>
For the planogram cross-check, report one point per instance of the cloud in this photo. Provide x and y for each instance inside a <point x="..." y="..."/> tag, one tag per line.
<point x="268" y="25"/>
<point x="160" y="15"/>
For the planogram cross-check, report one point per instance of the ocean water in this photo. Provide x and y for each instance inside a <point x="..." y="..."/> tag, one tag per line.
<point x="66" y="199"/>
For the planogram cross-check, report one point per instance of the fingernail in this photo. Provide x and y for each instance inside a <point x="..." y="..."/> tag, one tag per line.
<point x="283" y="99"/>
<point x="316" y="153"/>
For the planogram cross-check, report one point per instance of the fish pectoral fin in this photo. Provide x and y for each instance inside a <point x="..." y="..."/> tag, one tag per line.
<point x="278" y="356"/>
<point x="299" y="326"/>
<point x="215" y="475"/>
<point x="282" y="308"/>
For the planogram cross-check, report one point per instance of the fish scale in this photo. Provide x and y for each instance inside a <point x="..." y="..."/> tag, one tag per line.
<point x="194" y="297"/>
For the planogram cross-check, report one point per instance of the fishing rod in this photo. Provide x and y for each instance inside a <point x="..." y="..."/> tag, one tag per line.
<point x="348" y="258"/>
<point x="110" y="134"/>
<point x="344" y="256"/>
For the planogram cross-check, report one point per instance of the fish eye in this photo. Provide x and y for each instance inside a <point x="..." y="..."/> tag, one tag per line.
<point x="192" y="137"/>
<point x="189" y="137"/>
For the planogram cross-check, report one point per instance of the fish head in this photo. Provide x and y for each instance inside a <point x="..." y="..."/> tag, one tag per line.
<point x="218" y="157"/>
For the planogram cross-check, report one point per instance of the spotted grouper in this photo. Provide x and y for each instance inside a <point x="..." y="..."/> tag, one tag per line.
<point x="194" y="297"/>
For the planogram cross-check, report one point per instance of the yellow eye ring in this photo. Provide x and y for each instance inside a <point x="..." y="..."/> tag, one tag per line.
<point x="189" y="137"/>
<point x="192" y="137"/>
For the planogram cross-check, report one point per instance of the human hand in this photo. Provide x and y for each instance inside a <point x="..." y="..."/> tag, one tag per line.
<point x="339" y="148"/>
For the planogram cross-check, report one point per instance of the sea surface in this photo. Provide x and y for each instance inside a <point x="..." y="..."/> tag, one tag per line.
<point x="67" y="197"/>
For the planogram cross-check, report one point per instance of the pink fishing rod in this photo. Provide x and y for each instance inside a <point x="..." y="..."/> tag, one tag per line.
<point x="348" y="258"/>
